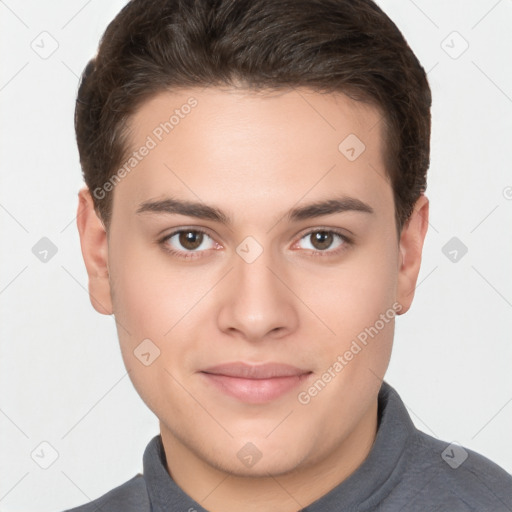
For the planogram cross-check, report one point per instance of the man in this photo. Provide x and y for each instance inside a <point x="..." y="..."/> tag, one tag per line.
<point x="254" y="219"/>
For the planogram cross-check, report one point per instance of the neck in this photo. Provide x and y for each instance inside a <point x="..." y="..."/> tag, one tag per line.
<point x="220" y="491"/>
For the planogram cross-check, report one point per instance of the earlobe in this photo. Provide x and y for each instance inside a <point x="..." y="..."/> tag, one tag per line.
<point x="94" y="244"/>
<point x="410" y="251"/>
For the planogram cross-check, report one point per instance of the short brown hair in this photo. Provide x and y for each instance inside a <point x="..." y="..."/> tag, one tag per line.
<point x="348" y="46"/>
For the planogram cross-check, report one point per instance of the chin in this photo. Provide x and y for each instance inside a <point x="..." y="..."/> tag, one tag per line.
<point x="269" y="465"/>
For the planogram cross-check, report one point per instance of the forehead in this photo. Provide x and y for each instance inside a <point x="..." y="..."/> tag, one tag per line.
<point x="223" y="145"/>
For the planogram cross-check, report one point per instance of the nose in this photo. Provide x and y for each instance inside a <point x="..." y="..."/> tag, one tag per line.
<point x="256" y="304"/>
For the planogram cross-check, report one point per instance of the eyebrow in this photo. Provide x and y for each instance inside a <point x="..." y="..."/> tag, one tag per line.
<point x="205" y="212"/>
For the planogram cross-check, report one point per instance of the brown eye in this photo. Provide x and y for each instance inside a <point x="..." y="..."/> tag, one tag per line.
<point x="191" y="240"/>
<point x="321" y="240"/>
<point x="324" y="241"/>
<point x="187" y="242"/>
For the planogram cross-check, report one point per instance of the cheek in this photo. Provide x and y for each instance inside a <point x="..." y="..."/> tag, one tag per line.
<point x="150" y="294"/>
<point x="149" y="300"/>
<point x="356" y="301"/>
<point x="156" y="300"/>
<point x="355" y="293"/>
<point x="137" y="301"/>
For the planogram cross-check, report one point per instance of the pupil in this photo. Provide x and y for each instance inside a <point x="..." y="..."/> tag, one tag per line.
<point x="322" y="239"/>
<point x="191" y="239"/>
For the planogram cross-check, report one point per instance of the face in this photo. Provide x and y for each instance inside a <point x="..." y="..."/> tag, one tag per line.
<point x="254" y="272"/>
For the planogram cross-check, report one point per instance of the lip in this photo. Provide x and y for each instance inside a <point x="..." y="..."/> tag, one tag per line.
<point x="255" y="384"/>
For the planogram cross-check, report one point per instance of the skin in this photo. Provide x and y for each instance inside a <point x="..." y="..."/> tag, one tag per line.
<point x="255" y="156"/>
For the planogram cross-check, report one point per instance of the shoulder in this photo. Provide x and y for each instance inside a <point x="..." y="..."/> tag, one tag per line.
<point x="131" y="496"/>
<point x="458" y="473"/>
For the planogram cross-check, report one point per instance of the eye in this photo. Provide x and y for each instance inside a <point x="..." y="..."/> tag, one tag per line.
<point x="323" y="240"/>
<point x="188" y="241"/>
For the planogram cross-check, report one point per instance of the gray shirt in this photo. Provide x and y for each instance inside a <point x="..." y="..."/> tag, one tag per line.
<point x="406" y="470"/>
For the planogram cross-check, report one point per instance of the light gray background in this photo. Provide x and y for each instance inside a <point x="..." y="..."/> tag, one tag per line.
<point x="62" y="379"/>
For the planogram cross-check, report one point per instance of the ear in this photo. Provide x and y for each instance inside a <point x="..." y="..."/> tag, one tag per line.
<point x="94" y="243"/>
<point x="411" y="246"/>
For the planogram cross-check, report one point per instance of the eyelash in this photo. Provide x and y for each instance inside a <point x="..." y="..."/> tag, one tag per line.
<point x="188" y="255"/>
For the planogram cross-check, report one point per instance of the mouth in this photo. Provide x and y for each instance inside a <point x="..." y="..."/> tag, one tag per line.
<point x="255" y="384"/>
